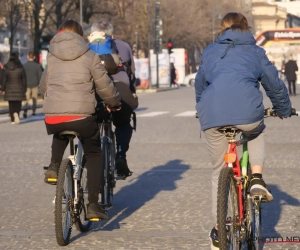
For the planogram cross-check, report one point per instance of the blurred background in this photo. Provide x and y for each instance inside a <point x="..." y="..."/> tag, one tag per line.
<point x="175" y="30"/>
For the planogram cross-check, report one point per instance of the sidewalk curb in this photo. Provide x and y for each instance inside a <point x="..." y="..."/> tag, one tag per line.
<point x="154" y="90"/>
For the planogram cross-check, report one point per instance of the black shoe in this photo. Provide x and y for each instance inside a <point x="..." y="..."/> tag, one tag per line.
<point x="94" y="210"/>
<point x="52" y="170"/>
<point x="258" y="187"/>
<point x="33" y="114"/>
<point x="122" y="167"/>
<point x="213" y="235"/>
<point x="24" y="115"/>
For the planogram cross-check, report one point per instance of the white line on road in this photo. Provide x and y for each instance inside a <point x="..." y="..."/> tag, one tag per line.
<point x="151" y="114"/>
<point x="187" y="113"/>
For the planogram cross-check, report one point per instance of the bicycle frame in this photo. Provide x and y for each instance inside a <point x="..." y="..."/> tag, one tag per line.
<point x="76" y="159"/>
<point x="232" y="160"/>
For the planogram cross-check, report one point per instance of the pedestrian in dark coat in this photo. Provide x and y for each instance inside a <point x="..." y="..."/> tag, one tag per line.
<point x="14" y="86"/>
<point x="173" y="76"/>
<point x="290" y="72"/>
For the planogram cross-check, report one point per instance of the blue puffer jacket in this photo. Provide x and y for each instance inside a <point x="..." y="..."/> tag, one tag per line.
<point x="227" y="82"/>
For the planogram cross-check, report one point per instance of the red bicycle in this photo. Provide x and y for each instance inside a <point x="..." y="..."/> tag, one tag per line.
<point x="238" y="212"/>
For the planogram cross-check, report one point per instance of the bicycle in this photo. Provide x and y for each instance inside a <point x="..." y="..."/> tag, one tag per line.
<point x="238" y="213"/>
<point x="71" y="191"/>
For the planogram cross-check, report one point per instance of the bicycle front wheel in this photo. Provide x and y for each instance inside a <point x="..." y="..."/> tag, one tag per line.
<point x="64" y="203"/>
<point x="227" y="211"/>
<point x="105" y="186"/>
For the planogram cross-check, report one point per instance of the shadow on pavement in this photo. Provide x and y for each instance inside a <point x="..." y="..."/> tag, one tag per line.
<point x="29" y="119"/>
<point x="272" y="211"/>
<point x="140" y="109"/>
<point x="132" y="197"/>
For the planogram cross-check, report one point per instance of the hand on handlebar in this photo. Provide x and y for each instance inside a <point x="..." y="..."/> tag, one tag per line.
<point x="116" y="108"/>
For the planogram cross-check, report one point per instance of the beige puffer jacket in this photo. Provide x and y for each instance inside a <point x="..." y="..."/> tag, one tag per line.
<point x="72" y="76"/>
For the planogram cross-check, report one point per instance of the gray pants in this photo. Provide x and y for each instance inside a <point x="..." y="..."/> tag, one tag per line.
<point x="218" y="145"/>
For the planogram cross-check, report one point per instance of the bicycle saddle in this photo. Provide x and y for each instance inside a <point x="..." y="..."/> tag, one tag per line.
<point x="68" y="134"/>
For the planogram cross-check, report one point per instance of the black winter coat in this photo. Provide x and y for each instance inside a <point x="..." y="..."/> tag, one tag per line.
<point x="290" y="70"/>
<point x="14" y="82"/>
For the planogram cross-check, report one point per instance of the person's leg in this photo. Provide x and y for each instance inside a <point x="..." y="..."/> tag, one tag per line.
<point x="294" y="87"/>
<point x="34" y="95"/>
<point x="256" y="148"/>
<point x="11" y="111"/>
<point x="123" y="132"/>
<point x="15" y="107"/>
<point x="290" y="90"/>
<point x="28" y="91"/>
<point x="217" y="145"/>
<point x="58" y="148"/>
<point x="90" y="139"/>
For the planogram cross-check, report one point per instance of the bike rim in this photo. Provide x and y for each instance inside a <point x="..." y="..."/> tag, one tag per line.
<point x="231" y="223"/>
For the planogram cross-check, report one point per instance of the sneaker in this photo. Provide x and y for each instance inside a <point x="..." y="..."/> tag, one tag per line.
<point x="94" y="210"/>
<point x="24" y="115"/>
<point x="33" y="114"/>
<point x="259" y="187"/>
<point x="213" y="236"/>
<point x="13" y="123"/>
<point x="122" y="167"/>
<point x="17" y="119"/>
<point x="52" y="170"/>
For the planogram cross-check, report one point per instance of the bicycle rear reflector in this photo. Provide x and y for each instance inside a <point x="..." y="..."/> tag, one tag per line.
<point x="230" y="157"/>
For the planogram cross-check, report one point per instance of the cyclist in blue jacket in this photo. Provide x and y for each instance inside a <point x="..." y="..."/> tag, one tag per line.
<point x="227" y="93"/>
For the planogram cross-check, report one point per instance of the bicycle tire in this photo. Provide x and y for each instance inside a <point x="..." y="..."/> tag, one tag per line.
<point x="64" y="198"/>
<point x="256" y="234"/>
<point x="105" y="189"/>
<point x="82" y="224"/>
<point x="227" y="220"/>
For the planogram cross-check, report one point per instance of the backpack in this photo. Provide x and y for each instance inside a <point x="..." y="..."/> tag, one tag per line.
<point x="108" y="55"/>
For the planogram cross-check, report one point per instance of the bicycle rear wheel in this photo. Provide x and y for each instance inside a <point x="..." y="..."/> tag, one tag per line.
<point x="82" y="223"/>
<point x="105" y="186"/>
<point x="64" y="203"/>
<point x="227" y="211"/>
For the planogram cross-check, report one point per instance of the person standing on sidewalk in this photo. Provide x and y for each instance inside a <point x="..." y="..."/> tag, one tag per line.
<point x="14" y="86"/>
<point x="33" y="73"/>
<point x="290" y="72"/>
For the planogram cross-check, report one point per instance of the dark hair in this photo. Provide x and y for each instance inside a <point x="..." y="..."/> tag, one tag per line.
<point x="71" y="26"/>
<point x="15" y="59"/>
<point x="31" y="55"/>
<point x="233" y="20"/>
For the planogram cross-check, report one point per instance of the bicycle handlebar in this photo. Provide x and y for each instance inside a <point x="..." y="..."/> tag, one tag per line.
<point x="272" y="112"/>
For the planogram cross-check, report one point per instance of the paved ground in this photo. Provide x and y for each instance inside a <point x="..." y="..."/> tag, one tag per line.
<point x="166" y="203"/>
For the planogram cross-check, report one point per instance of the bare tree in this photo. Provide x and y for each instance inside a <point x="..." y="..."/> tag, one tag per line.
<point x="14" y="11"/>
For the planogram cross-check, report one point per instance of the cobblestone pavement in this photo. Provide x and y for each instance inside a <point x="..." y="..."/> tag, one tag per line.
<point x="165" y="204"/>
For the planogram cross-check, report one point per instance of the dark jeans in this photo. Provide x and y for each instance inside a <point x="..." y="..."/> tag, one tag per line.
<point x="292" y="83"/>
<point x="14" y="107"/>
<point x="121" y="120"/>
<point x="90" y="140"/>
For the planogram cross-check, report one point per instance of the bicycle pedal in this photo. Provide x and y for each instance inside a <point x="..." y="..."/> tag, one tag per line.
<point x="120" y="177"/>
<point x="94" y="219"/>
<point x="52" y="181"/>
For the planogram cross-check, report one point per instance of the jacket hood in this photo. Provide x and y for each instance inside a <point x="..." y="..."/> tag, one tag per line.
<point x="68" y="46"/>
<point x="11" y="65"/>
<point x="236" y="37"/>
